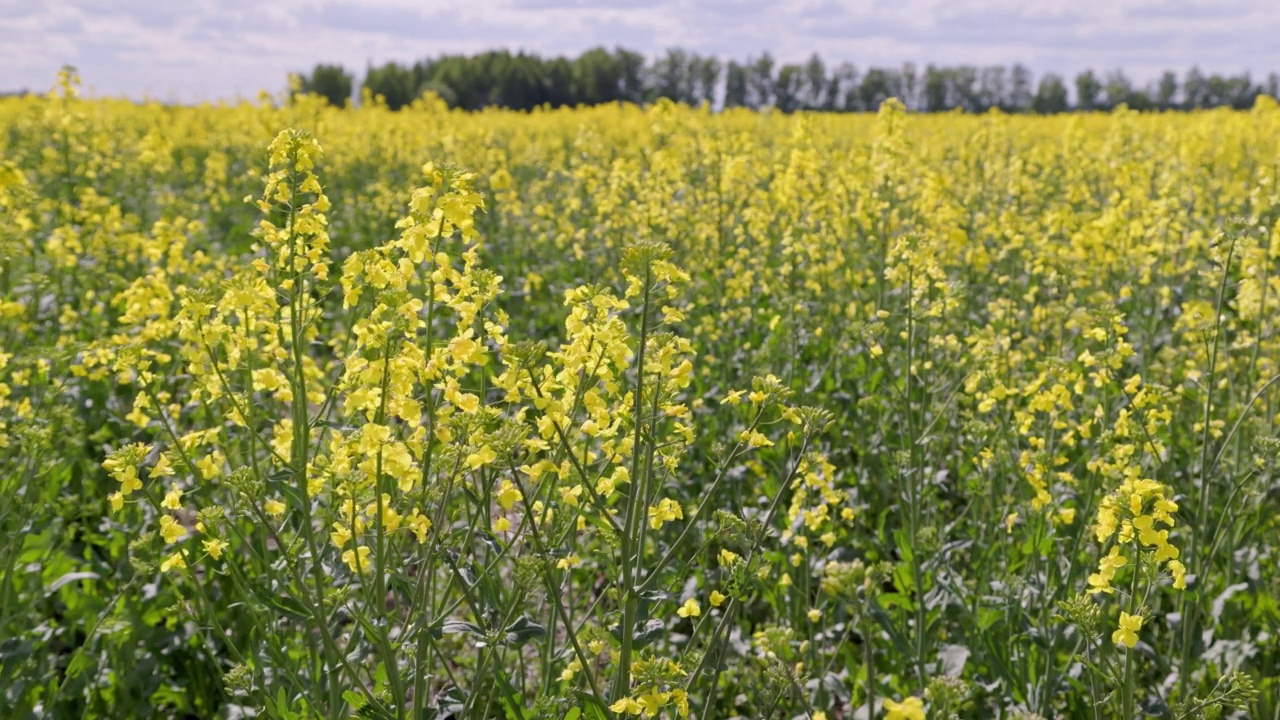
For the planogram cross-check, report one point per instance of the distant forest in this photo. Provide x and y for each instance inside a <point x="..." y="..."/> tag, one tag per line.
<point x="524" y="81"/>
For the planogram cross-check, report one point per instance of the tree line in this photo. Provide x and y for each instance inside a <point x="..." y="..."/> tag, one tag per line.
<point x="523" y="81"/>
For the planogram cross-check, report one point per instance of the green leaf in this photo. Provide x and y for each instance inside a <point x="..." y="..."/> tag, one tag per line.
<point x="354" y="699"/>
<point x="651" y="631"/>
<point x="452" y="701"/>
<point x="899" y="640"/>
<point x="903" y="579"/>
<point x="590" y="707"/>
<point x="290" y="606"/>
<point x="523" y="630"/>
<point x="988" y="618"/>
<point x="69" y="578"/>
<point x="453" y="627"/>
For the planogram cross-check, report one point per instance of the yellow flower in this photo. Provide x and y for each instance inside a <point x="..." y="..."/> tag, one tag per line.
<point x="570" y="670"/>
<point x="358" y="559"/>
<point x="814" y="615"/>
<point x="208" y="467"/>
<point x="176" y="561"/>
<point x="481" y="457"/>
<point x="1164" y="549"/>
<point x="910" y="709"/>
<point x="170" y="530"/>
<point x="653" y="701"/>
<point x="626" y="705"/>
<point x="667" y="510"/>
<point x="689" y="609"/>
<point x="129" y="481"/>
<point x="274" y="507"/>
<point x="419" y="524"/>
<point x="571" y="496"/>
<point x="340" y="535"/>
<point x="117" y="501"/>
<point x="1163" y="509"/>
<point x="214" y="547"/>
<point x="681" y="699"/>
<point x="172" y="499"/>
<point x="163" y="467"/>
<point x="717" y="598"/>
<point x="754" y="439"/>
<point x="1099" y="583"/>
<point x="1147" y="535"/>
<point x="1107" y="522"/>
<point x="1111" y="562"/>
<point x="1127" y="633"/>
<point x="508" y="495"/>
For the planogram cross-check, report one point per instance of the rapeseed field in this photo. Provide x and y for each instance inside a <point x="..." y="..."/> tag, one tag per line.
<point x="655" y="412"/>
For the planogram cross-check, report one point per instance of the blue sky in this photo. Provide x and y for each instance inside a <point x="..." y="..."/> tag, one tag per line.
<point x="219" y="49"/>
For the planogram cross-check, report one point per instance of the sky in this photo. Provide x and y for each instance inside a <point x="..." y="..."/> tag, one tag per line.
<point x="197" y="50"/>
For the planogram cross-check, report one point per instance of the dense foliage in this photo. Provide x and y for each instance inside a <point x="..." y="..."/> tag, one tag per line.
<point x="310" y="412"/>
<point x="523" y="81"/>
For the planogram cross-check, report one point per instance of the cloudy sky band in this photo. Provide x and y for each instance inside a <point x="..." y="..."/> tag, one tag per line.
<point x="221" y="49"/>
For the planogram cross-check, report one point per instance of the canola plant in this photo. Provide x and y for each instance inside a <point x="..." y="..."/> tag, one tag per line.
<point x="310" y="412"/>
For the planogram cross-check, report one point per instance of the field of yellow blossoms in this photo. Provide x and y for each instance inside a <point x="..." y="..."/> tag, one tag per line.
<point x="622" y="412"/>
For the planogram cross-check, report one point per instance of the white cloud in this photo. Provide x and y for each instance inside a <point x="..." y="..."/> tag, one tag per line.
<point x="210" y="49"/>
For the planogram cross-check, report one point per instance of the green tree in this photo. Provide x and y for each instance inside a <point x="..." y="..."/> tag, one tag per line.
<point x="559" y="82"/>
<point x="331" y="82"/>
<point x="1195" y="89"/>
<point x="1119" y="90"/>
<point x="1167" y="90"/>
<point x="760" y="81"/>
<point x="394" y="82"/>
<point x="597" y="77"/>
<point x="704" y="73"/>
<point x="1088" y="90"/>
<point x="936" y="88"/>
<point x="631" y="75"/>
<point x="840" y="86"/>
<point x="670" y="77"/>
<point x="991" y="87"/>
<point x="814" y="95"/>
<point x="788" y="88"/>
<point x="1051" y="95"/>
<point x="907" y="85"/>
<point x="964" y="88"/>
<point x="735" y="85"/>
<point x="877" y="86"/>
<point x="1020" y="97"/>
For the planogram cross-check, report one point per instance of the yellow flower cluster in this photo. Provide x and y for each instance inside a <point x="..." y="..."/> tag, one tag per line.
<point x="650" y="699"/>
<point x="1133" y="514"/>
